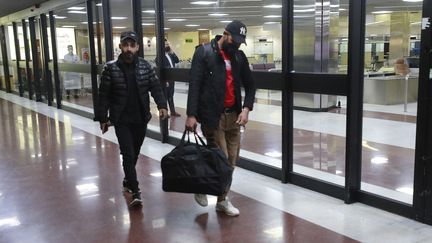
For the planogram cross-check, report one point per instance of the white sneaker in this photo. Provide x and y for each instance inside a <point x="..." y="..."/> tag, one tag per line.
<point x="201" y="199"/>
<point x="226" y="207"/>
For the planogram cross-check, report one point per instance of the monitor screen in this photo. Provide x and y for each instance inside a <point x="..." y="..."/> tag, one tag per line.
<point x="413" y="62"/>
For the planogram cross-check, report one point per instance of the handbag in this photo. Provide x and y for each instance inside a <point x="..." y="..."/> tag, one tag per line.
<point x="194" y="167"/>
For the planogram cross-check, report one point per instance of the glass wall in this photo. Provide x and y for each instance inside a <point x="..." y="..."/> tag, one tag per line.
<point x="320" y="119"/>
<point x="2" y="78"/>
<point x="13" y="72"/>
<point x="73" y="56"/>
<point x="188" y="24"/>
<point x="121" y="17"/>
<point x="392" y="52"/>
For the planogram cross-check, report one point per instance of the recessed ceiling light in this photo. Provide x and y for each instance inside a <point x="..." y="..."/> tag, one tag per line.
<point x="119" y="27"/>
<point x="77" y="12"/>
<point x="218" y="14"/>
<point x="204" y="2"/>
<point x="382" y="12"/>
<point x="192" y="25"/>
<point x="271" y="23"/>
<point x="225" y="21"/>
<point x="59" y="17"/>
<point x="149" y="11"/>
<point x="167" y="28"/>
<point x="147" y="24"/>
<point x="99" y="4"/>
<point x="76" y="8"/>
<point x="273" y="6"/>
<point x="413" y="1"/>
<point x="118" y="17"/>
<point x="176" y="20"/>
<point x="272" y="16"/>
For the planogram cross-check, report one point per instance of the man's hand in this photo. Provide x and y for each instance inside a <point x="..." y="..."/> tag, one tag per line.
<point x="104" y="127"/>
<point x="163" y="114"/>
<point x="243" y="118"/>
<point x="191" y="123"/>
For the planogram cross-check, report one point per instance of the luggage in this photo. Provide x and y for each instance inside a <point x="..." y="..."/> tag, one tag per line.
<point x="195" y="168"/>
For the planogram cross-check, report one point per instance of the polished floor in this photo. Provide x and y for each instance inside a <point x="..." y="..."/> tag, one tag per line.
<point x="319" y="141"/>
<point x="60" y="182"/>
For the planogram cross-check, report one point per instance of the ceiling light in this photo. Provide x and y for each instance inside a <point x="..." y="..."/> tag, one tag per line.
<point x="76" y="8"/>
<point x="69" y="26"/>
<point x="304" y="10"/>
<point x="382" y="12"/>
<point x="118" y="17"/>
<point x="272" y="16"/>
<point x="59" y="17"/>
<point x="202" y="29"/>
<point x="192" y="25"/>
<point x="218" y="14"/>
<point x="342" y="9"/>
<point x="77" y="12"/>
<point x="176" y="20"/>
<point x="167" y="28"/>
<point x="204" y="2"/>
<point x="146" y="24"/>
<point x="273" y="6"/>
<point x="412" y="1"/>
<point x="149" y="11"/>
<point x="99" y="4"/>
<point x="271" y="23"/>
<point x="225" y="21"/>
<point x="119" y="27"/>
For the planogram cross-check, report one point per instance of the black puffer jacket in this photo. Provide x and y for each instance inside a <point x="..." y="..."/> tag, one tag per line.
<point x="208" y="82"/>
<point x="113" y="90"/>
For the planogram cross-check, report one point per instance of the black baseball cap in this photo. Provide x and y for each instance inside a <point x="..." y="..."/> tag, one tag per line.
<point x="237" y="30"/>
<point x="129" y="35"/>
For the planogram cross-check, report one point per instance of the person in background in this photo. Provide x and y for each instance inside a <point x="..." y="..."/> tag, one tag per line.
<point x="72" y="80"/>
<point x="124" y="95"/>
<point x="214" y="99"/>
<point x="169" y="61"/>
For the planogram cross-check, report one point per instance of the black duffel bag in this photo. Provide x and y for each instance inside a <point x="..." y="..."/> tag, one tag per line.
<point x="194" y="167"/>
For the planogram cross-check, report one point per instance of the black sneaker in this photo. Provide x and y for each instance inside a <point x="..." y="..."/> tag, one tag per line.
<point x="126" y="187"/>
<point x="136" y="199"/>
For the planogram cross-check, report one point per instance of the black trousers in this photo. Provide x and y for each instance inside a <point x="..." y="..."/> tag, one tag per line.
<point x="170" y="95"/>
<point x="130" y="138"/>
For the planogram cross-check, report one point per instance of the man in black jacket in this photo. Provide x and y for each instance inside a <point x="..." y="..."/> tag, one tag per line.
<point x="124" y="94"/>
<point x="170" y="60"/>
<point x="214" y="99"/>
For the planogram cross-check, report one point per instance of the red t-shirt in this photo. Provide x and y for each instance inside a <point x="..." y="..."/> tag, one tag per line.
<point x="229" y="90"/>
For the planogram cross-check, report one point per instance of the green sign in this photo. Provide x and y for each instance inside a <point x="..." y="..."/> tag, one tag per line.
<point x="189" y="40"/>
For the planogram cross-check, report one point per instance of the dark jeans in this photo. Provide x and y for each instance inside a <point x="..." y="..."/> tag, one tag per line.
<point x="130" y="137"/>
<point x="170" y="96"/>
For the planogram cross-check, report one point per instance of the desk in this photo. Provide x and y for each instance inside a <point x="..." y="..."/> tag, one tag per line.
<point x="389" y="90"/>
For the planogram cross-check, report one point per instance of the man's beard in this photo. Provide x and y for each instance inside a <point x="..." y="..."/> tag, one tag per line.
<point x="230" y="48"/>
<point x="128" y="56"/>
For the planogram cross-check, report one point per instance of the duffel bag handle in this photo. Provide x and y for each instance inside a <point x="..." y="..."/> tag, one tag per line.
<point x="198" y="139"/>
